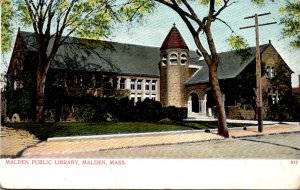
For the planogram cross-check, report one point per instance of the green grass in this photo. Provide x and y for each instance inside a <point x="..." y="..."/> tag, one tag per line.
<point x="48" y="130"/>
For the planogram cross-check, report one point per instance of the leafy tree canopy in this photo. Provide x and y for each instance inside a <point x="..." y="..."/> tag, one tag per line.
<point x="291" y="22"/>
<point x="6" y="25"/>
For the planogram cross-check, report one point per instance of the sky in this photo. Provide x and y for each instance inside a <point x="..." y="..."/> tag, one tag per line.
<point x="155" y="27"/>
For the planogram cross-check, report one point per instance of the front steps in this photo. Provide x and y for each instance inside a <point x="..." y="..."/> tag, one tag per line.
<point x="199" y="117"/>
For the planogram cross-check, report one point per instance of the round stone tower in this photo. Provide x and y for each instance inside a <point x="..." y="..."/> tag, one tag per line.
<point x="174" y="64"/>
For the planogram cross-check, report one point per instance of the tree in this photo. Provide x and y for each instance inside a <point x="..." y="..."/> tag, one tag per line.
<point x="6" y="25"/>
<point x="291" y="22"/>
<point x="197" y="26"/>
<point x="54" y="21"/>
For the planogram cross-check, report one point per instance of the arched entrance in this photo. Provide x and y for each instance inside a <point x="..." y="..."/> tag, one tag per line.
<point x="195" y="103"/>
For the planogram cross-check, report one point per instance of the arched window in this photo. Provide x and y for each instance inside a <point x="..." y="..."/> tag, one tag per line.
<point x="173" y="58"/>
<point x="164" y="60"/>
<point x="183" y="58"/>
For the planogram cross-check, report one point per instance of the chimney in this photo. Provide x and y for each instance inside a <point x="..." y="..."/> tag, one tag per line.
<point x="269" y="41"/>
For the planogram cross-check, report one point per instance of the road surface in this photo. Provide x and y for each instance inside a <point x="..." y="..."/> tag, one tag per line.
<point x="279" y="146"/>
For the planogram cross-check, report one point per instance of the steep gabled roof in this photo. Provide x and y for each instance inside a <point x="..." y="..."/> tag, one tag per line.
<point x="173" y="40"/>
<point x="126" y="59"/>
<point x="231" y="65"/>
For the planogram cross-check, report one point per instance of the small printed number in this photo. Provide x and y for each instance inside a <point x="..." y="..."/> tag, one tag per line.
<point x="294" y="161"/>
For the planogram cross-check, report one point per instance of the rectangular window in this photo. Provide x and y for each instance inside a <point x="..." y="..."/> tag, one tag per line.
<point x="61" y="80"/>
<point x="80" y="82"/>
<point x="267" y="71"/>
<point x="139" y="85"/>
<point x="115" y="83"/>
<point x="139" y="97"/>
<point x="153" y="85"/>
<point x="87" y="81"/>
<point x="132" y="84"/>
<point x="272" y="72"/>
<point x="98" y="81"/>
<point x="106" y="82"/>
<point x="132" y="97"/>
<point x="17" y="84"/>
<point x="273" y="99"/>
<point x="147" y="85"/>
<point x="70" y="81"/>
<point x="153" y="96"/>
<point x="147" y="96"/>
<point x="122" y="83"/>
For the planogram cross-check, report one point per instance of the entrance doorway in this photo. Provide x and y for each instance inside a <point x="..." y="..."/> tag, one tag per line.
<point x="195" y="103"/>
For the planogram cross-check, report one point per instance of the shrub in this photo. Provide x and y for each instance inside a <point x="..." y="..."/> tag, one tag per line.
<point x="84" y="112"/>
<point x="94" y="109"/>
<point x="174" y="113"/>
<point x="149" y="110"/>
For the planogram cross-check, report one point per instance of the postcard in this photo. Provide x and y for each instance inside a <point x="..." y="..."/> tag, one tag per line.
<point x="150" y="94"/>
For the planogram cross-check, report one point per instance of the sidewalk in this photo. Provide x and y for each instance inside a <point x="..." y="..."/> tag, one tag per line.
<point x="96" y="143"/>
<point x="13" y="141"/>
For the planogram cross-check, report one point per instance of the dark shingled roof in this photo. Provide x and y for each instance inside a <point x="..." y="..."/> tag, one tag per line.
<point x="174" y="40"/>
<point x="231" y="65"/>
<point x="128" y="59"/>
<point x="125" y="59"/>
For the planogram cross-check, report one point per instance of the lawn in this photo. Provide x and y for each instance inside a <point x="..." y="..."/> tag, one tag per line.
<point x="63" y="129"/>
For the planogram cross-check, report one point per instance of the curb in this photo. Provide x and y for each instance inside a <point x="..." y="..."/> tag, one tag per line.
<point x="91" y="137"/>
<point x="122" y="135"/>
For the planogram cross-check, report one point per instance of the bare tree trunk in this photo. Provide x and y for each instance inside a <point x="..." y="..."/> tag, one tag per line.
<point x="222" y="125"/>
<point x="39" y="106"/>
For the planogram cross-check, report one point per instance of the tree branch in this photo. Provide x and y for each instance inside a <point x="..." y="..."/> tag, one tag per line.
<point x="223" y="7"/>
<point x="194" y="15"/>
<point x="232" y="31"/>
<point x="176" y="8"/>
<point x="210" y="13"/>
<point x="32" y="16"/>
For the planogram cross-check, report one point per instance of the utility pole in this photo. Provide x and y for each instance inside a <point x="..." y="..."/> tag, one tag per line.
<point x="258" y="67"/>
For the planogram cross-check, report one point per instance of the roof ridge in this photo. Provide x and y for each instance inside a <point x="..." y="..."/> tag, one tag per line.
<point x="110" y="41"/>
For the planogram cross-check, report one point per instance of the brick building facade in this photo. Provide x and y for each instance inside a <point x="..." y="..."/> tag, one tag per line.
<point x="171" y="74"/>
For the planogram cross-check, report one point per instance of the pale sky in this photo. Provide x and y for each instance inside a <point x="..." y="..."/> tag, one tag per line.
<point x="156" y="26"/>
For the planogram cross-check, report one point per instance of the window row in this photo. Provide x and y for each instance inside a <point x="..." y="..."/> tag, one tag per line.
<point x="137" y="84"/>
<point x="98" y="81"/>
<point x="139" y="97"/>
<point x="173" y="58"/>
<point x="81" y="81"/>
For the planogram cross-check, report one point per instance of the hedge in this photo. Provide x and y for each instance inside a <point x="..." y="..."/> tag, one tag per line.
<point x="111" y="109"/>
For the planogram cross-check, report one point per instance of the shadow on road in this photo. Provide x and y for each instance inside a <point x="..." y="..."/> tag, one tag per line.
<point x="266" y="142"/>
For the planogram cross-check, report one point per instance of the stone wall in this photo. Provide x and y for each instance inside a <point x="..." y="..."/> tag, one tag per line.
<point x="243" y="112"/>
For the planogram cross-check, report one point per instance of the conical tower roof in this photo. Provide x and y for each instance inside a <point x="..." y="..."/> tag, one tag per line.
<point x="173" y="40"/>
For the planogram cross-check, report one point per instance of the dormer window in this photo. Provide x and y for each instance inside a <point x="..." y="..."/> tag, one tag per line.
<point x="164" y="60"/>
<point x="173" y="59"/>
<point x="183" y="58"/>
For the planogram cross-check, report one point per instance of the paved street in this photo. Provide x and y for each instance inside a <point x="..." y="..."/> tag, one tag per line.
<point x="277" y="146"/>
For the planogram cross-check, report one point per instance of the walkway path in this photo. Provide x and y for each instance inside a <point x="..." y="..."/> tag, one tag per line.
<point x="13" y="141"/>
